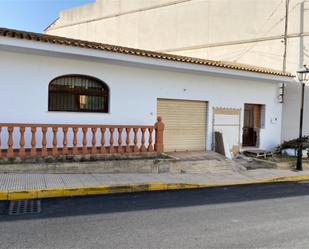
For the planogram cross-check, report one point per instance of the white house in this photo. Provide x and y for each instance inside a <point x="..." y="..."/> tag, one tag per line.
<point x="274" y="34"/>
<point x="55" y="80"/>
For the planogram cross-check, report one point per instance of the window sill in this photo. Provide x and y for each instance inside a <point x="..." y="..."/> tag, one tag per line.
<point x="78" y="112"/>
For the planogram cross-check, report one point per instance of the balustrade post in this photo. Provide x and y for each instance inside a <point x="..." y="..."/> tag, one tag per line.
<point x="10" y="152"/>
<point x="85" y="149"/>
<point x="44" y="141"/>
<point x="0" y="142"/>
<point x="102" y="148"/>
<point x="128" y="149"/>
<point x="159" y="128"/>
<point x="22" y="152"/>
<point x="94" y="141"/>
<point x="65" y="140"/>
<point x="150" y="147"/>
<point x="120" y="149"/>
<point x="33" y="141"/>
<point x="135" y="148"/>
<point x="55" y="142"/>
<point x="111" y="141"/>
<point x="143" y="148"/>
<point x="75" y="149"/>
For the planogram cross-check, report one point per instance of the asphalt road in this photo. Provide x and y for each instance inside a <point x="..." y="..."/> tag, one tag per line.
<point x="255" y="216"/>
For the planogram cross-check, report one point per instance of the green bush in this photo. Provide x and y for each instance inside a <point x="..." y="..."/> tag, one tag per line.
<point x="295" y="143"/>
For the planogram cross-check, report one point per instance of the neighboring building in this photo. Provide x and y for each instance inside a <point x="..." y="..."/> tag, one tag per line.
<point x="241" y="31"/>
<point x="47" y="79"/>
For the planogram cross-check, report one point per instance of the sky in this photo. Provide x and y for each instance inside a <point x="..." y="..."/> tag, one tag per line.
<point x="33" y="15"/>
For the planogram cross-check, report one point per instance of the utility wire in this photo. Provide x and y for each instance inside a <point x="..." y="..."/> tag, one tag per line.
<point x="251" y="46"/>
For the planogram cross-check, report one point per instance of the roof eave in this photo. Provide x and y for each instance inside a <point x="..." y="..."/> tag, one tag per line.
<point x="17" y="34"/>
<point x="13" y="44"/>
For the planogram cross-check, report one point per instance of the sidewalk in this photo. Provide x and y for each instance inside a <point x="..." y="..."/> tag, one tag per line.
<point x="27" y="186"/>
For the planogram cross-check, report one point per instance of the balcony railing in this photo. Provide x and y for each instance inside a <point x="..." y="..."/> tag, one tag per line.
<point x="35" y="140"/>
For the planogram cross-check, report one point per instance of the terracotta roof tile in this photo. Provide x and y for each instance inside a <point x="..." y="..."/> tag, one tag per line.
<point x="4" y="32"/>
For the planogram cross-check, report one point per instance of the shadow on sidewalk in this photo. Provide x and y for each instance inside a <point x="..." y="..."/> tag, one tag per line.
<point x="89" y="205"/>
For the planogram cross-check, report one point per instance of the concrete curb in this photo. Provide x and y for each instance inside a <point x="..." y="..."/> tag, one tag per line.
<point x="129" y="188"/>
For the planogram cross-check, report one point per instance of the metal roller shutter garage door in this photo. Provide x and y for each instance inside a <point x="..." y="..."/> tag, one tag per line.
<point x="185" y="124"/>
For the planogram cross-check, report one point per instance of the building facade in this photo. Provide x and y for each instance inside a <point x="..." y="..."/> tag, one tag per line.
<point x="268" y="33"/>
<point x="194" y="97"/>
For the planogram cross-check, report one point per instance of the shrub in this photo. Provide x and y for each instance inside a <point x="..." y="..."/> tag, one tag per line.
<point x="294" y="143"/>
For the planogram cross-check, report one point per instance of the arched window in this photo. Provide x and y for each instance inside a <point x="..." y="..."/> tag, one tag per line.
<point x="78" y="93"/>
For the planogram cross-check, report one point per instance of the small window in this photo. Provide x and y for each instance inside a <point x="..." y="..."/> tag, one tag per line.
<point x="76" y="93"/>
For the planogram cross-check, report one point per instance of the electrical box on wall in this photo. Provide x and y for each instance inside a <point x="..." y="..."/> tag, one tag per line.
<point x="274" y="120"/>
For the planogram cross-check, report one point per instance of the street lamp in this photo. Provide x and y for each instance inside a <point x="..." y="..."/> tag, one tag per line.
<point x="302" y="77"/>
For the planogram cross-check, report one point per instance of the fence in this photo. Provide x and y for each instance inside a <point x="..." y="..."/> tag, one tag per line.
<point x="20" y="139"/>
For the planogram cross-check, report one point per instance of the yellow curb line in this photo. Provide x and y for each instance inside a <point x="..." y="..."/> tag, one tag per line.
<point x="126" y="188"/>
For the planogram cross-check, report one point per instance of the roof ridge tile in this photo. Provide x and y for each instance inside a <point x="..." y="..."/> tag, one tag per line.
<point x="18" y="34"/>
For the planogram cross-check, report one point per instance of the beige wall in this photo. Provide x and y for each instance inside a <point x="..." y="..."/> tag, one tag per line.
<point x="244" y="31"/>
<point x="215" y="29"/>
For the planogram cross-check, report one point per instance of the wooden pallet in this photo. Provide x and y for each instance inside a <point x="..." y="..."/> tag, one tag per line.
<point x="259" y="153"/>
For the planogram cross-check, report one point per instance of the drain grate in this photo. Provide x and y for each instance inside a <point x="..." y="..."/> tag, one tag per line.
<point x="23" y="207"/>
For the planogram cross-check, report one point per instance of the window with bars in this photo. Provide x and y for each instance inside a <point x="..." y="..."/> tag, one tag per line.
<point x="78" y="93"/>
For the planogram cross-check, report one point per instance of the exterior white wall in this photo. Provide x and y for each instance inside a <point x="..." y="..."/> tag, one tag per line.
<point x="230" y="30"/>
<point x="134" y="92"/>
<point x="292" y="112"/>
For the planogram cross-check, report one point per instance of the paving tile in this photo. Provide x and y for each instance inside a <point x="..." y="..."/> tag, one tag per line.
<point x="71" y="180"/>
<point x="170" y="178"/>
<point x="136" y="178"/>
<point x="144" y="178"/>
<point x="121" y="178"/>
<point x="88" y="180"/>
<point x="13" y="182"/>
<point x="34" y="181"/>
<point x="53" y="180"/>
<point x="3" y="181"/>
<point x="104" y="179"/>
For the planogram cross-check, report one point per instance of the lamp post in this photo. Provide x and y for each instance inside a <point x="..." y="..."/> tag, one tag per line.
<point x="302" y="77"/>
